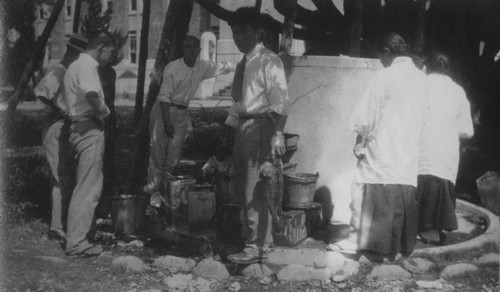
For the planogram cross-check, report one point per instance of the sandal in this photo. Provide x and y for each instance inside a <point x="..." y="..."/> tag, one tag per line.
<point x="90" y="251"/>
<point x="343" y="246"/>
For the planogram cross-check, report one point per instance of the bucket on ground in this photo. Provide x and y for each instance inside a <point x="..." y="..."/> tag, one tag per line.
<point x="299" y="189"/>
<point x="201" y="208"/>
<point x="488" y="186"/>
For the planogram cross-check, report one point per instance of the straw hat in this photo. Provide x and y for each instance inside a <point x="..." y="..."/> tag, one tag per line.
<point x="78" y="42"/>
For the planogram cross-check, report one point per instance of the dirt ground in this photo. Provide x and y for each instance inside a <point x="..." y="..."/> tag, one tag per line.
<point x="32" y="262"/>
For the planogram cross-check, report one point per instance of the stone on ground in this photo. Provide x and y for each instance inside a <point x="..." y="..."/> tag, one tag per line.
<point x="55" y="260"/>
<point x="130" y="263"/>
<point x="186" y="282"/>
<point x="175" y="264"/>
<point x="296" y="272"/>
<point x="257" y="271"/>
<point x="235" y="287"/>
<point x="457" y="270"/>
<point x="436" y="284"/>
<point x="349" y="269"/>
<point x="417" y="265"/>
<point x="387" y="272"/>
<point x="307" y="257"/>
<point x="491" y="258"/>
<point x="211" y="268"/>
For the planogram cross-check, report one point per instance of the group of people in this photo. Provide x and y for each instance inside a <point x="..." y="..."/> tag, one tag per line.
<point x="74" y="140"/>
<point x="258" y="116"/>
<point x="408" y="127"/>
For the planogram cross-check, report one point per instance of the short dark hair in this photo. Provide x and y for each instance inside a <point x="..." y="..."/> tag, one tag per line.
<point x="394" y="43"/>
<point x="246" y="16"/>
<point x="101" y="37"/>
<point x="439" y="62"/>
<point x="192" y="37"/>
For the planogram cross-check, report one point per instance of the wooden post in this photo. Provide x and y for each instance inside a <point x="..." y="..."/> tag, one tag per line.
<point x="76" y="16"/>
<point x="289" y="23"/>
<point x="176" y="25"/>
<point x="39" y="47"/>
<point x="143" y="56"/>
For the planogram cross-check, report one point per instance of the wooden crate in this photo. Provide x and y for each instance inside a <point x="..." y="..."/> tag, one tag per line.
<point x="294" y="228"/>
<point x="201" y="209"/>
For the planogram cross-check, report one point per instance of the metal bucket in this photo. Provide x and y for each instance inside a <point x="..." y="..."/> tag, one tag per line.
<point x="299" y="189"/>
<point x="123" y="213"/>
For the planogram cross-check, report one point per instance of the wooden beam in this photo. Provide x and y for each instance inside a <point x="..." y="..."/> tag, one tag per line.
<point x="39" y="48"/>
<point x="271" y="24"/>
<point x="76" y="16"/>
<point x="143" y="56"/>
<point x="288" y="26"/>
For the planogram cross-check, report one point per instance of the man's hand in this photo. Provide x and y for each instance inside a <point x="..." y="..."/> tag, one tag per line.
<point x="278" y="144"/>
<point x="169" y="129"/>
<point x="359" y="150"/>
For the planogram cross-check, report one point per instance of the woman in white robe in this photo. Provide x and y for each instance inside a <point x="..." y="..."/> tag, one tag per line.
<point x="448" y="121"/>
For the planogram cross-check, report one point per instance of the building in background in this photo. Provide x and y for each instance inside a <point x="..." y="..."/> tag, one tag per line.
<point x="127" y="17"/>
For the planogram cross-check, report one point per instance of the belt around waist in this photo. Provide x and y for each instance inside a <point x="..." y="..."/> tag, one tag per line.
<point x="178" y="106"/>
<point x="261" y="116"/>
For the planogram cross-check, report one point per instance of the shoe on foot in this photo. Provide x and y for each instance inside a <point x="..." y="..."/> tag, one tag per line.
<point x="90" y="251"/>
<point x="243" y="258"/>
<point x="56" y="234"/>
<point x="344" y="246"/>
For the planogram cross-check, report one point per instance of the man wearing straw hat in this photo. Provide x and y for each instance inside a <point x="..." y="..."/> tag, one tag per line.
<point x="50" y="91"/>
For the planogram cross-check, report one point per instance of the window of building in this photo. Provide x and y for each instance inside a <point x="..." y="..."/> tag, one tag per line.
<point x="133" y="5"/>
<point x="132" y="37"/>
<point x="41" y="13"/>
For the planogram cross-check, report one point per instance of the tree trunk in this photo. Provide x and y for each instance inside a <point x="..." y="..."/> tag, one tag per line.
<point x="39" y="47"/>
<point x="107" y="76"/>
<point x="76" y="16"/>
<point x="174" y="30"/>
<point x="143" y="56"/>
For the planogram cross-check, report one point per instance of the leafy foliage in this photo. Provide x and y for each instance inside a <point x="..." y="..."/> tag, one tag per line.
<point x="97" y="21"/>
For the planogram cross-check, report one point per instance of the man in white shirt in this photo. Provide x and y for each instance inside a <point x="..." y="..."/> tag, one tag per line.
<point x="261" y="107"/>
<point x="50" y="91"/>
<point x="86" y="112"/>
<point x="388" y="121"/>
<point x="169" y="118"/>
<point x="449" y="120"/>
